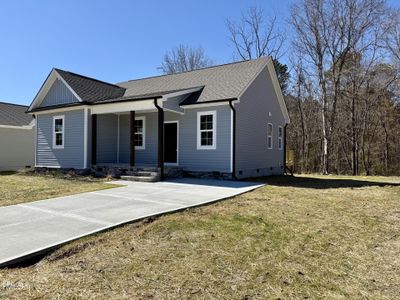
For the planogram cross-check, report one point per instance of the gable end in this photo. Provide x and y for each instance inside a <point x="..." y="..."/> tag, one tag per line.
<point x="58" y="94"/>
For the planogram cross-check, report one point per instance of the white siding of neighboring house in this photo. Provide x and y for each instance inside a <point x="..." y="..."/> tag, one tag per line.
<point x="17" y="148"/>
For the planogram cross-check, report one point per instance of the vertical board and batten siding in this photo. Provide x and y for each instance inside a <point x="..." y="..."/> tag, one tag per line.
<point x="147" y="156"/>
<point x="252" y="117"/>
<point x="17" y="148"/>
<point x="58" y="94"/>
<point x="192" y="159"/>
<point x="107" y="138"/>
<point x="72" y="155"/>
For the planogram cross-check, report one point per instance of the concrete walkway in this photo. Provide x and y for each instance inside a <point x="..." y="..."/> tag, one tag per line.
<point x="32" y="228"/>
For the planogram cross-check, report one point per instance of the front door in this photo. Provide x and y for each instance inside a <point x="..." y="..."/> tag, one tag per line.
<point x="171" y="143"/>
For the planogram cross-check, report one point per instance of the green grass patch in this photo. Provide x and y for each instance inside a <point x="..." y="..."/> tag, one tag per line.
<point x="305" y="237"/>
<point x="26" y="187"/>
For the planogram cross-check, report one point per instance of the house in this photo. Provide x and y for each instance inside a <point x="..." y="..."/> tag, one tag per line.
<point x="17" y="137"/>
<point x="225" y="120"/>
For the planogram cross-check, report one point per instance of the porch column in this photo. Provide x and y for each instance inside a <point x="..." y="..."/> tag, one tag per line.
<point x="132" y="139"/>
<point x="160" y="139"/>
<point x="94" y="139"/>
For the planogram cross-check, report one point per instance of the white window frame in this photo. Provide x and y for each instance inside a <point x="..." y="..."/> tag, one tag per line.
<point x="143" y="147"/>
<point x="280" y="138"/>
<point x="270" y="136"/>
<point x="214" y="130"/>
<point x="62" y="117"/>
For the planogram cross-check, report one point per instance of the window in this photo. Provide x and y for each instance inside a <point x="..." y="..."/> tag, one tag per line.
<point x="58" y="132"/>
<point x="140" y="130"/>
<point x="280" y="138"/>
<point x="269" y="135"/>
<point x="206" y="130"/>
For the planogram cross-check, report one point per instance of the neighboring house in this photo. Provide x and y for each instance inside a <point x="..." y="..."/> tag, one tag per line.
<point x="17" y="137"/>
<point x="226" y="120"/>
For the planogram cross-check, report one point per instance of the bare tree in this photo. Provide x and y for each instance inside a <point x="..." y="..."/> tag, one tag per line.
<point x="255" y="36"/>
<point x="392" y="38"/>
<point x="301" y="90"/>
<point x="184" y="58"/>
<point x="326" y="33"/>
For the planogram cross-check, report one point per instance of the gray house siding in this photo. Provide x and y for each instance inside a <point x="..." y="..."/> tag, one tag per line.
<point x="258" y="107"/>
<point x="17" y="148"/>
<point x="58" y="94"/>
<point x="192" y="159"/>
<point x="147" y="156"/>
<point x="72" y="156"/>
<point x="107" y="138"/>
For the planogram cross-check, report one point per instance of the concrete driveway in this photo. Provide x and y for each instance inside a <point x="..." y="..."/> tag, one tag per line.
<point x="32" y="228"/>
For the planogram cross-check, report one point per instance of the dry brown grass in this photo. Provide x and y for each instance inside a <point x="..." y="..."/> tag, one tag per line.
<point x="25" y="187"/>
<point x="305" y="237"/>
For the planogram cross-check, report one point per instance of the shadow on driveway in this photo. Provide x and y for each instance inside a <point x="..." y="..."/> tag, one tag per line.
<point x="321" y="183"/>
<point x="215" y="182"/>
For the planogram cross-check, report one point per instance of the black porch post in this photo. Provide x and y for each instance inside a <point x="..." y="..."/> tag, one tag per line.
<point x="94" y="139"/>
<point x="160" y="139"/>
<point x="132" y="139"/>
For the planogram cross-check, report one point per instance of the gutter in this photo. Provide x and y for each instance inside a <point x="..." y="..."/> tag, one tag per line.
<point x="160" y="138"/>
<point x="284" y="148"/>
<point x="208" y="102"/>
<point x="83" y="103"/>
<point x="233" y="139"/>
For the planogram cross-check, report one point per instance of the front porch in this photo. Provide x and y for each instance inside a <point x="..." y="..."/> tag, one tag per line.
<point x="136" y="173"/>
<point x="132" y="143"/>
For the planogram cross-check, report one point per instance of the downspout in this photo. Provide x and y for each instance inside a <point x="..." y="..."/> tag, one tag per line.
<point x="160" y="138"/>
<point x="284" y="148"/>
<point x="36" y="129"/>
<point x="233" y="139"/>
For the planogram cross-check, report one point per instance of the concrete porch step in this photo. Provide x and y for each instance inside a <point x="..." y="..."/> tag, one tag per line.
<point x="142" y="173"/>
<point x="153" y="178"/>
<point x="143" y="169"/>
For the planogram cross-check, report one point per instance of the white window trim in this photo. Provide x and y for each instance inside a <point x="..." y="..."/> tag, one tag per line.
<point x="54" y="132"/>
<point x="143" y="147"/>
<point x="270" y="136"/>
<point x="214" y="130"/>
<point x="280" y="138"/>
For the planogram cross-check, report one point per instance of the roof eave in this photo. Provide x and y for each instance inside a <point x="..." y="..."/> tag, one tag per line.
<point x="210" y="102"/>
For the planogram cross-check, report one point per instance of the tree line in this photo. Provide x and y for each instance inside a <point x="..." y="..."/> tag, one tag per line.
<point x="341" y="85"/>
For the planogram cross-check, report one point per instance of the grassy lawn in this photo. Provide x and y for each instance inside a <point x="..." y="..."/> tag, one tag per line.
<point x="25" y="187"/>
<point x="307" y="237"/>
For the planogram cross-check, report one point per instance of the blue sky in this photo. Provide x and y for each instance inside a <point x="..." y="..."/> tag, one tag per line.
<point x="109" y="40"/>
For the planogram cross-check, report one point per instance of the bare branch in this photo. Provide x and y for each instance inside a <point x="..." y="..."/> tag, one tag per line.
<point x="256" y="36"/>
<point x="184" y="58"/>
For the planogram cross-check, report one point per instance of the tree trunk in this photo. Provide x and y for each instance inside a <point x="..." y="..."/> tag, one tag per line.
<point x="303" y="130"/>
<point x="386" y="151"/>
<point x="354" y="150"/>
<point x="325" y="166"/>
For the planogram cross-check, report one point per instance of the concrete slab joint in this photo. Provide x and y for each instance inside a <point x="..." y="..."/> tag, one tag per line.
<point x="32" y="228"/>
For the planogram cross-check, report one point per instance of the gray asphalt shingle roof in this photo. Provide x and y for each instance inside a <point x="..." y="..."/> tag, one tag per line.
<point x="14" y="115"/>
<point x="89" y="89"/>
<point x="140" y="97"/>
<point x="220" y="82"/>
